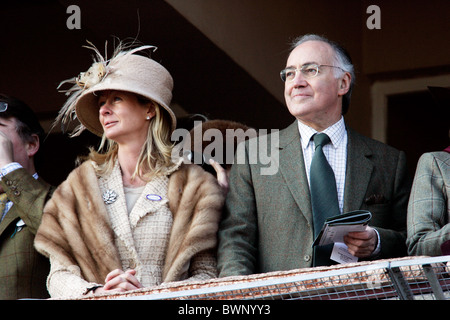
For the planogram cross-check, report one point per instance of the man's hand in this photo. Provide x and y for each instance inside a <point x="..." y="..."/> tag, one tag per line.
<point x="6" y="150"/>
<point x="362" y="244"/>
<point x="222" y="176"/>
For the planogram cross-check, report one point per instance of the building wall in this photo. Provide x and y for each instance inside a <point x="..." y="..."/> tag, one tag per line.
<point x="410" y="43"/>
<point x="225" y="55"/>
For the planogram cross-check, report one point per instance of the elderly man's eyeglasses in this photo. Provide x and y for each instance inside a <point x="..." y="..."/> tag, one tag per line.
<point x="3" y="106"/>
<point x="308" y="71"/>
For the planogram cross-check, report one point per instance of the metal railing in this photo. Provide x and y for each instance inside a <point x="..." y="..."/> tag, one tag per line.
<point x="397" y="279"/>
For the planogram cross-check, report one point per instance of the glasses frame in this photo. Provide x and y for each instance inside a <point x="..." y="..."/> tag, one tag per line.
<point x="3" y="106"/>
<point x="302" y="69"/>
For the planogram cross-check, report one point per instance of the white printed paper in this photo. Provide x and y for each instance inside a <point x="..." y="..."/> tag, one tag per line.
<point x="340" y="254"/>
<point x="336" y="233"/>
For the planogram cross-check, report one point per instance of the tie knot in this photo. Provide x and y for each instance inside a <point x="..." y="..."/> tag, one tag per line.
<point x="321" y="139"/>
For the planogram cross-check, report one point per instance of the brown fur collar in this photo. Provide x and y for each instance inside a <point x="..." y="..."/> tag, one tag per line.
<point x="75" y="227"/>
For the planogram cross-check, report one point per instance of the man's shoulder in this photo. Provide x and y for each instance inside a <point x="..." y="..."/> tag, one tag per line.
<point x="356" y="139"/>
<point x="441" y="157"/>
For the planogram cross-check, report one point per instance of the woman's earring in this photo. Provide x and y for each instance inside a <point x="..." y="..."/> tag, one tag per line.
<point x="148" y="117"/>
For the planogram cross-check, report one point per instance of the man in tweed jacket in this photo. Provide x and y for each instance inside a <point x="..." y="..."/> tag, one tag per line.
<point x="268" y="220"/>
<point x="23" y="270"/>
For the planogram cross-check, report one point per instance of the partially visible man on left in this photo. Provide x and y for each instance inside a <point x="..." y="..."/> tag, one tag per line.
<point x="23" y="271"/>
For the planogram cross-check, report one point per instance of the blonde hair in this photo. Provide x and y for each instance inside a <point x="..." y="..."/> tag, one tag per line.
<point x="155" y="155"/>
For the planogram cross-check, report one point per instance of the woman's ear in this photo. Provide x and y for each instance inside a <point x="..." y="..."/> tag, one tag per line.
<point x="151" y="110"/>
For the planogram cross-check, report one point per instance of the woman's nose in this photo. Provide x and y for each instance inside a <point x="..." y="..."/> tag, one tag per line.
<point x="104" y="109"/>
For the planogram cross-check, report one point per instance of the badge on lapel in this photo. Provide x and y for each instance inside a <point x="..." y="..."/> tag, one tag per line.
<point x="153" y="197"/>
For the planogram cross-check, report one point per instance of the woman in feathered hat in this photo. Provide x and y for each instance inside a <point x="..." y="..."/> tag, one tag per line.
<point x="130" y="216"/>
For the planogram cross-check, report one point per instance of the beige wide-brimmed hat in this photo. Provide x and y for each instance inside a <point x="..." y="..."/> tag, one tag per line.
<point x="126" y="71"/>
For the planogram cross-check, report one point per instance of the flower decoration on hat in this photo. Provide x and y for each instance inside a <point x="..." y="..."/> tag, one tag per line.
<point x="94" y="75"/>
<point x="85" y="81"/>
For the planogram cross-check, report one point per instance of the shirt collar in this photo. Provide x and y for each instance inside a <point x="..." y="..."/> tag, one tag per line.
<point x="336" y="132"/>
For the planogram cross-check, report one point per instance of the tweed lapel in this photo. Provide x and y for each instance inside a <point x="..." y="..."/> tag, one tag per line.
<point x="154" y="195"/>
<point x="358" y="172"/>
<point x="10" y="217"/>
<point x="292" y="168"/>
<point x="152" y="198"/>
<point x="117" y="210"/>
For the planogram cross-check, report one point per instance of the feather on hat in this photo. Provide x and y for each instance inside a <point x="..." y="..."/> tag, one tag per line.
<point x="125" y="71"/>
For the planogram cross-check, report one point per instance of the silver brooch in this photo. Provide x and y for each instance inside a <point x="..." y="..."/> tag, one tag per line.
<point x="109" y="196"/>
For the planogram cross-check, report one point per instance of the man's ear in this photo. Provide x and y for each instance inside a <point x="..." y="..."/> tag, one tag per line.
<point x="33" y="145"/>
<point x="344" y="84"/>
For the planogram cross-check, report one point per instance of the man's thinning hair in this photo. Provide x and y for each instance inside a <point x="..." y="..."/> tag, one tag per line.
<point x="341" y="58"/>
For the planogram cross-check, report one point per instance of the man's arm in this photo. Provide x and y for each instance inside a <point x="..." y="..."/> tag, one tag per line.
<point x="237" y="249"/>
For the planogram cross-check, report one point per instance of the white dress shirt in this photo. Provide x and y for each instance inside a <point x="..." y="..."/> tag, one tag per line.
<point x="335" y="152"/>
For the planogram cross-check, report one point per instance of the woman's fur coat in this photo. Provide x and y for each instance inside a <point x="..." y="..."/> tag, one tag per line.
<point x="76" y="228"/>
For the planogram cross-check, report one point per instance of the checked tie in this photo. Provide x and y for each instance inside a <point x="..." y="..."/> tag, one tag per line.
<point x="324" y="199"/>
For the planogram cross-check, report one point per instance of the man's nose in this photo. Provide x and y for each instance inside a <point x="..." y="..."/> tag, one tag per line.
<point x="299" y="80"/>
